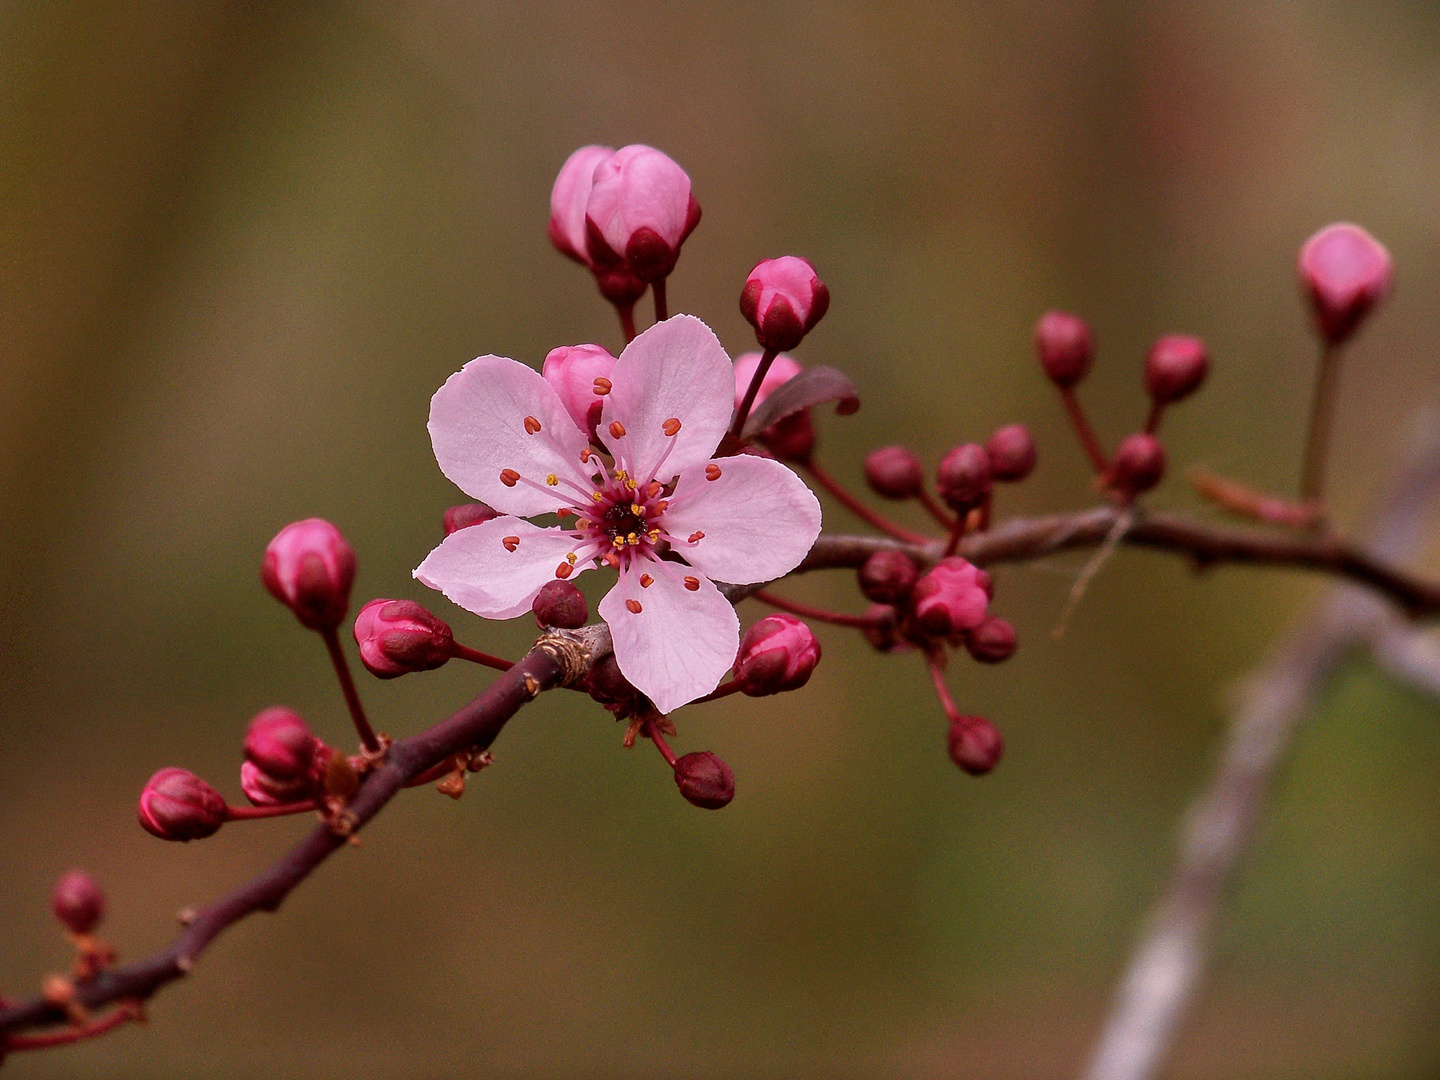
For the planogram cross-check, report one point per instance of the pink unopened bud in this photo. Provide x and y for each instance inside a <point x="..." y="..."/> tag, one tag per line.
<point x="793" y="438"/>
<point x="964" y="477"/>
<point x="992" y="642"/>
<point x="78" y="902"/>
<point x="572" y="371"/>
<point x="1346" y="272"/>
<point x="559" y="603"/>
<point x="568" y="199"/>
<point x="1065" y="347"/>
<point x="887" y="576"/>
<point x="1138" y="465"/>
<point x="467" y="514"/>
<point x="783" y="299"/>
<point x="1012" y="453"/>
<point x="778" y="653"/>
<point x="397" y="637"/>
<point x="950" y="599"/>
<point x="894" y="472"/>
<point x="705" y="780"/>
<point x="1175" y="367"/>
<point x="309" y="568"/>
<point x="975" y="744"/>
<point x="281" y="744"/>
<point x="177" y="805"/>
<point x="640" y="209"/>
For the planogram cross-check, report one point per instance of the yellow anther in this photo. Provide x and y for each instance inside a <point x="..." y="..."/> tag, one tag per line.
<point x="597" y="496"/>
<point x="632" y="539"/>
<point x="552" y="479"/>
<point x="631" y="485"/>
<point x="653" y="535"/>
<point x="570" y="558"/>
<point x="637" y="510"/>
<point x="618" y="542"/>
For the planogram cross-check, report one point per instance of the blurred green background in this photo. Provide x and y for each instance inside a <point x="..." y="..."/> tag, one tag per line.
<point x="241" y="245"/>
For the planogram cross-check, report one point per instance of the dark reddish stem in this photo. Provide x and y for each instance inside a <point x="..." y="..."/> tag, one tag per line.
<point x="742" y="411"/>
<point x="652" y="730"/>
<point x="662" y="308"/>
<point x="1076" y="412"/>
<point x="627" y="321"/>
<point x="1322" y="413"/>
<point x="719" y="692"/>
<point x="1152" y="422"/>
<point x="935" y="510"/>
<point x="935" y="661"/>
<point x="250" y="813"/>
<point x="859" y="509"/>
<point x="957" y="531"/>
<point x="65" y="1036"/>
<point x="460" y="652"/>
<point x="347" y="686"/>
<point x="805" y="611"/>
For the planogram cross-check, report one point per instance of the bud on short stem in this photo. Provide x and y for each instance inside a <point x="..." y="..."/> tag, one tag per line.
<point x="1138" y="465"/>
<point x="309" y="567"/>
<point x="777" y="654"/>
<point x="399" y="636"/>
<point x="992" y="642"/>
<point x="705" y="780"/>
<point x="950" y="599"/>
<point x="975" y="744"/>
<point x="894" y="472"/>
<point x="1064" y="346"/>
<point x="280" y="758"/>
<point x="1345" y="272"/>
<point x="964" y="477"/>
<point x="886" y="577"/>
<point x="177" y="805"/>
<point x="560" y="604"/>
<point x="783" y="299"/>
<point x="78" y="902"/>
<point x="1012" y="453"/>
<point x="1175" y="367"/>
<point x="639" y="210"/>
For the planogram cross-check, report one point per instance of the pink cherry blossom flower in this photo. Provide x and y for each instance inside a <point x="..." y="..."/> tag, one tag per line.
<point x="503" y="434"/>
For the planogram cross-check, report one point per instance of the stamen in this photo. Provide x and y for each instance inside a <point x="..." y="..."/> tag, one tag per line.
<point x="653" y="536"/>
<point x="662" y="506"/>
<point x="585" y="456"/>
<point x="646" y="581"/>
<point x="617" y="429"/>
<point x="631" y="485"/>
<point x="671" y="427"/>
<point x="653" y="488"/>
<point x="634" y="605"/>
<point x="712" y="471"/>
<point x="570" y="558"/>
<point x="696" y="536"/>
<point x="511" y="542"/>
<point x="693" y="584"/>
<point x="637" y="510"/>
<point x="509" y="477"/>
<point x="552" y="479"/>
<point x="632" y="540"/>
<point x="618" y="542"/>
<point x="564" y="512"/>
<point x="532" y="425"/>
<point x="611" y="560"/>
<point x="597" y="496"/>
<point x="602" y="386"/>
<point x="564" y="570"/>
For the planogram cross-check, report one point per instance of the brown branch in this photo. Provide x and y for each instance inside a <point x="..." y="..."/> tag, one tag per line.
<point x="559" y="658"/>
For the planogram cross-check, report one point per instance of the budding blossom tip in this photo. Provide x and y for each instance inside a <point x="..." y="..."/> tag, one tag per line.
<point x="639" y="210"/>
<point x="1175" y="367"/>
<point x="309" y="567"/>
<point x="560" y="604"/>
<point x="886" y="577"/>
<point x="975" y="744"/>
<point x="894" y="472"/>
<point x="78" y="902"/>
<point x="992" y="642"/>
<point x="397" y="637"/>
<point x="705" y="780"/>
<point x="1012" y="453"/>
<point x="1138" y="464"/>
<point x="950" y="599"/>
<point x="777" y="654"/>
<point x="964" y="477"/>
<point x="1345" y="272"/>
<point x="783" y="299"/>
<point x="467" y="514"/>
<point x="1064" y="346"/>
<point x="177" y="805"/>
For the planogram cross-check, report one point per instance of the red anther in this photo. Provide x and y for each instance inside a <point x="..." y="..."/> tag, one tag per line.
<point x="617" y="429"/>
<point x="560" y="604"/>
<point x="510" y="542"/>
<point x="693" y="584"/>
<point x="783" y="299"/>
<point x="1064" y="346"/>
<point x="992" y="641"/>
<point x="602" y="387"/>
<point x="1175" y="367"/>
<point x="1139" y="464"/>
<point x="633" y="606"/>
<point x="712" y="471"/>
<point x="532" y="426"/>
<point x="777" y="654"/>
<point x="696" y="536"/>
<point x="397" y="637"/>
<point x="1012" y="453"/>
<point x="705" y="780"/>
<point x="467" y="514"/>
<point x="671" y="427"/>
<point x="886" y="577"/>
<point x="309" y="568"/>
<point x="509" y="477"/>
<point x="950" y="599"/>
<point x="975" y="744"/>
<point x="177" y="805"/>
<point x="1345" y="272"/>
<point x="894" y="472"/>
<point x="564" y="570"/>
<point x="646" y="581"/>
<point x="78" y="902"/>
<point x="964" y="477"/>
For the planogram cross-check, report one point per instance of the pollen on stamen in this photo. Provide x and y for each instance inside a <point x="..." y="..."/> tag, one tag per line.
<point x="671" y="426"/>
<point x="570" y="558"/>
<point x="585" y="456"/>
<point x="611" y="560"/>
<point x="632" y="540"/>
<point x="634" y="606"/>
<point x="552" y="480"/>
<point x="712" y="471"/>
<point x="564" y="512"/>
<point x="654" y="488"/>
<point x="637" y="510"/>
<point x="646" y="581"/>
<point x="617" y="429"/>
<point x="597" y="496"/>
<point x="631" y="485"/>
<point x="693" y="584"/>
<point x="509" y="477"/>
<point x="511" y="542"/>
<point x="618" y="541"/>
<point x="696" y="536"/>
<point x="532" y="425"/>
<point x="564" y="570"/>
<point x="602" y="386"/>
<point x="653" y="536"/>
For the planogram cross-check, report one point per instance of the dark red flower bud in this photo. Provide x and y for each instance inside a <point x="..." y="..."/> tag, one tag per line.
<point x="992" y="641"/>
<point x="177" y="805"/>
<point x="309" y="568"/>
<point x="1065" y="346"/>
<point x="950" y="598"/>
<point x="975" y="744"/>
<point x="894" y="472"/>
<point x="78" y="902"/>
<point x="560" y="603"/>
<point x="1012" y="453"/>
<point x="1138" y="465"/>
<point x="964" y="477"/>
<point x="1175" y="367"/>
<point x="1346" y="272"/>
<point x="886" y="576"/>
<point x="881" y="628"/>
<point x="399" y="636"/>
<point x="778" y="653"/>
<point x="783" y="299"/>
<point x="705" y="780"/>
<point x="467" y="514"/>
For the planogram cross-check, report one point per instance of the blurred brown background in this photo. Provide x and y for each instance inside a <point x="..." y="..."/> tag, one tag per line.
<point x="241" y="245"/>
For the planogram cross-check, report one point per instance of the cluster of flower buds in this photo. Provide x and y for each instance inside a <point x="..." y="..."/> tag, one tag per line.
<point x="966" y="474"/>
<point x="284" y="761"/>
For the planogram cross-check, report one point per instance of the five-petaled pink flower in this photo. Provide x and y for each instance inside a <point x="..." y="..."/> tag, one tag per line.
<point x="503" y="434"/>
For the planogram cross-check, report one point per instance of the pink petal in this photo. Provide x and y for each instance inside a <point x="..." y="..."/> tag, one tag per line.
<point x="758" y="517"/>
<point x="477" y="426"/>
<point x="681" y="643"/>
<point x="677" y="370"/>
<point x="475" y="569"/>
